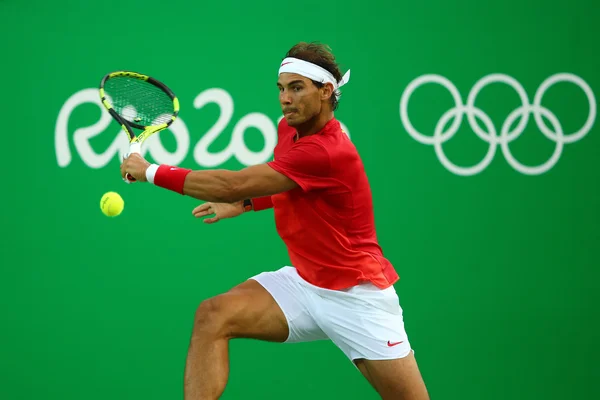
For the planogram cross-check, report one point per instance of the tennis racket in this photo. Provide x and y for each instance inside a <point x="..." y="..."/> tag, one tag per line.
<point x="138" y="101"/>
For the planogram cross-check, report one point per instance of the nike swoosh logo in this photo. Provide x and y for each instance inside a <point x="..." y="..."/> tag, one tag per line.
<point x="285" y="63"/>
<point x="390" y="344"/>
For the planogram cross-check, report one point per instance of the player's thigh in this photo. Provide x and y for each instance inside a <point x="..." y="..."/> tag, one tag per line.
<point x="397" y="379"/>
<point x="298" y="304"/>
<point x="367" y="324"/>
<point x="245" y="311"/>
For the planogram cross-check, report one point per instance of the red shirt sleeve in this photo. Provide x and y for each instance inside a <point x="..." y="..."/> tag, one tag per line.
<point x="262" y="203"/>
<point x="307" y="163"/>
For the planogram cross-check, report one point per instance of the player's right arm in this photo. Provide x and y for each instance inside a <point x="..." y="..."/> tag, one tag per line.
<point x="230" y="210"/>
<point x="218" y="211"/>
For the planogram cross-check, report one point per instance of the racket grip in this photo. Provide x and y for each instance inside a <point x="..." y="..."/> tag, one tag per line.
<point x="129" y="179"/>
<point x="133" y="148"/>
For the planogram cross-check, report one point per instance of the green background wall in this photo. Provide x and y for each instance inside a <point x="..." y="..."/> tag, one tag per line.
<point x="499" y="269"/>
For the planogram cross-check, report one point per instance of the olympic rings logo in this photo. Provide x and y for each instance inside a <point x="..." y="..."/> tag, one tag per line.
<point x="489" y="134"/>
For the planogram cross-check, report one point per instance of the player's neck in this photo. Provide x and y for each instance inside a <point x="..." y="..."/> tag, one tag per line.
<point x="315" y="124"/>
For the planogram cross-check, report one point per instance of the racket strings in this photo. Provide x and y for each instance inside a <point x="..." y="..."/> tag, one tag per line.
<point x="138" y="101"/>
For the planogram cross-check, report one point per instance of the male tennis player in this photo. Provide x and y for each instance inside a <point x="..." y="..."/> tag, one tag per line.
<point x="340" y="285"/>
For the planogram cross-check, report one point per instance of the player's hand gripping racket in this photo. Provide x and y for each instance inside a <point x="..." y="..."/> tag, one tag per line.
<point x="138" y="101"/>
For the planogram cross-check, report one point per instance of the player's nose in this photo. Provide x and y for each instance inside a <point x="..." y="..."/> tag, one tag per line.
<point x="285" y="98"/>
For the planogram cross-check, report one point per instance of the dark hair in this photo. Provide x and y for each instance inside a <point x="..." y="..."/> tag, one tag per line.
<point x="321" y="55"/>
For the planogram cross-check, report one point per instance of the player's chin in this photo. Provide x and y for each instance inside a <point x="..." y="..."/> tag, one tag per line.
<point x="293" y="119"/>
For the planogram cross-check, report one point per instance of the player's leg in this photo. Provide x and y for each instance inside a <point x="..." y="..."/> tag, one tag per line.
<point x="398" y="379"/>
<point x="247" y="311"/>
<point x="367" y="324"/>
<point x="271" y="306"/>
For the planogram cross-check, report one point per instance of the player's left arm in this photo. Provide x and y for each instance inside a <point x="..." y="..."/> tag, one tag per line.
<point x="223" y="186"/>
<point x="303" y="166"/>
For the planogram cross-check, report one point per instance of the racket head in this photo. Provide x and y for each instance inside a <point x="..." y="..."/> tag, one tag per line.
<point x="138" y="101"/>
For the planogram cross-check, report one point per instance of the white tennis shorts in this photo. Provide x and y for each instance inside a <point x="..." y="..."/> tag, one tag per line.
<point x="363" y="321"/>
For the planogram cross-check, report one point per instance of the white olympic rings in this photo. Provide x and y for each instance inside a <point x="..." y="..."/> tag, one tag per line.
<point x="490" y="135"/>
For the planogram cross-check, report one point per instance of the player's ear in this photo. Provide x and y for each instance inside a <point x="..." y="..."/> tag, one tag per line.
<point x="326" y="91"/>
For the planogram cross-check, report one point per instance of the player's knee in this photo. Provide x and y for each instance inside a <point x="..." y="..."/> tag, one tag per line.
<point x="212" y="318"/>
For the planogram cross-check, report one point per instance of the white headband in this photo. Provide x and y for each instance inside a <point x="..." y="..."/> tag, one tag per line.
<point x="313" y="71"/>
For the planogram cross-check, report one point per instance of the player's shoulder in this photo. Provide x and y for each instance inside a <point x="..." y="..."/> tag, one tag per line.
<point x="332" y="140"/>
<point x="336" y="139"/>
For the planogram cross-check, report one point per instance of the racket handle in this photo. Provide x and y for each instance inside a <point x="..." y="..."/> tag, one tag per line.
<point x="133" y="148"/>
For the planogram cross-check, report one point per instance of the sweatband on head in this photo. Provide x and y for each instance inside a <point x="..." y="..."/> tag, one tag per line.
<point x="313" y="71"/>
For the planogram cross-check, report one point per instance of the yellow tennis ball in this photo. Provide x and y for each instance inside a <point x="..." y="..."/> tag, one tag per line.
<point x="112" y="204"/>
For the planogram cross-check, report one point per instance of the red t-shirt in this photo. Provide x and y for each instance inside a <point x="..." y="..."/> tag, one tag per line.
<point x="327" y="223"/>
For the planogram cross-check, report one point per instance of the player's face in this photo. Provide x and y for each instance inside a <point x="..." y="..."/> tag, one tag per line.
<point x="300" y="99"/>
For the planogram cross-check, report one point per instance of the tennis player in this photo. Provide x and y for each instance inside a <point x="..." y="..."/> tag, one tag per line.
<point x="339" y="285"/>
